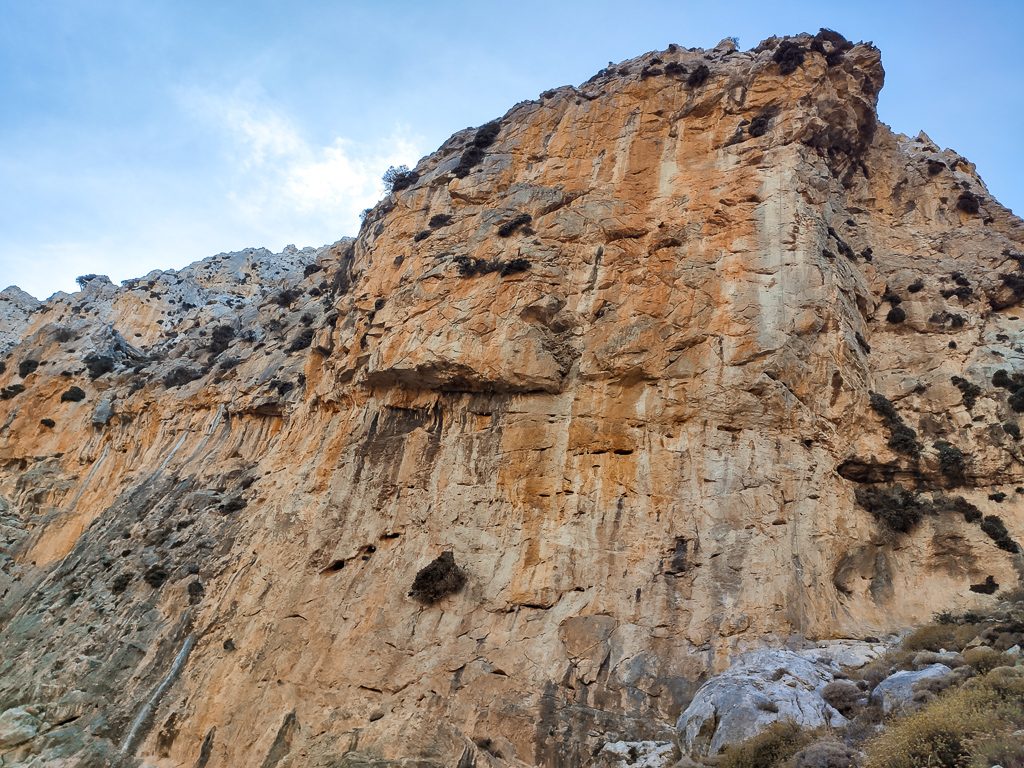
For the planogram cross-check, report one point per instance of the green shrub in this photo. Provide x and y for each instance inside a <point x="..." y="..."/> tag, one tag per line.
<point x="120" y="583"/>
<point x="789" y="56"/>
<point x="302" y="341"/>
<point x="896" y="315"/>
<point x="698" y="76"/>
<point x="220" y="339"/>
<point x="1012" y="430"/>
<point x="27" y="367"/>
<point x="50" y="423"/>
<point x="768" y="749"/>
<point x="1016" y="400"/>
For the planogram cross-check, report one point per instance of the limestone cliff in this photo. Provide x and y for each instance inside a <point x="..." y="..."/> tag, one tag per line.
<point x="615" y="352"/>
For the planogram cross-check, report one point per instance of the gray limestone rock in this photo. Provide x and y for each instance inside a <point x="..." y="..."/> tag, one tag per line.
<point x="17" y="726"/>
<point x="895" y="691"/>
<point x="759" y="689"/>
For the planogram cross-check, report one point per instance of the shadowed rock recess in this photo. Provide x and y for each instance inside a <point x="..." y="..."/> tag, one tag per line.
<point x="631" y="354"/>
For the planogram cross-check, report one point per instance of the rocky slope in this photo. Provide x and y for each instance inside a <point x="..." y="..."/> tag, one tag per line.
<point x="615" y="352"/>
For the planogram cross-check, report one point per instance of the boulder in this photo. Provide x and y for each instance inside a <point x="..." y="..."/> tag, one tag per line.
<point x="896" y="690"/>
<point x="759" y="688"/>
<point x="637" y="754"/>
<point x="17" y="726"/>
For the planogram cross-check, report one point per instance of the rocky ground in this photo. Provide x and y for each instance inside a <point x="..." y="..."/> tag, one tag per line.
<point x="695" y="360"/>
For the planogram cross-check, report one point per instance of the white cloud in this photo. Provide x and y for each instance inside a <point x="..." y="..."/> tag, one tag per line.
<point x="285" y="189"/>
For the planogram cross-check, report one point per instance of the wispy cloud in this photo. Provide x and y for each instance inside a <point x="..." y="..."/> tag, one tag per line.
<point x="286" y="188"/>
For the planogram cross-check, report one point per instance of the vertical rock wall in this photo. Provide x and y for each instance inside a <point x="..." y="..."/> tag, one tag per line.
<point x="614" y="352"/>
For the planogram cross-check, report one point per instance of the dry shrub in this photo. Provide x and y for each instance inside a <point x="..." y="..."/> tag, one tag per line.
<point x="825" y="754"/>
<point x="985" y="659"/>
<point x="938" y="637"/>
<point x="843" y="696"/>
<point x="771" y="748"/>
<point x="876" y="671"/>
<point x="438" y="579"/>
<point x="953" y="727"/>
<point x="1005" y="749"/>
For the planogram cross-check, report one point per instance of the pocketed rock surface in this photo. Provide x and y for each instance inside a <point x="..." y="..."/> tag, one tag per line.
<point x="638" y="420"/>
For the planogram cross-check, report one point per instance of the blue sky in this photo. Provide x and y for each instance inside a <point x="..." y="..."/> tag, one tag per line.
<point x="147" y="134"/>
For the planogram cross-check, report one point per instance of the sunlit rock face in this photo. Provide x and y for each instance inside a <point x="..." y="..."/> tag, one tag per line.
<point x="614" y="354"/>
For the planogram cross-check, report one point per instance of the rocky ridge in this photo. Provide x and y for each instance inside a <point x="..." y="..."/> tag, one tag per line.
<point x="689" y="361"/>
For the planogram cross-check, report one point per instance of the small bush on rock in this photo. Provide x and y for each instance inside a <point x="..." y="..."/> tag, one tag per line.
<point x="302" y="341"/>
<point x="180" y="376"/>
<point x="50" y="423"/>
<point x="27" y="367"/>
<point x="509" y="227"/>
<point x="439" y="220"/>
<point x="900" y="509"/>
<point x="993" y="527"/>
<point x="437" y="580"/>
<point x="902" y="439"/>
<point x="98" y="365"/>
<point x="789" y="57"/>
<point x="951" y="460"/>
<point x="968" y="202"/>
<point x="156" y="576"/>
<point x="896" y="315"/>
<point x="220" y="339"/>
<point x="970" y="391"/>
<point x="73" y="395"/>
<point x="699" y="76"/>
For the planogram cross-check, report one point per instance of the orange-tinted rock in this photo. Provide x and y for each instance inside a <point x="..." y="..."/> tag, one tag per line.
<point x="642" y="448"/>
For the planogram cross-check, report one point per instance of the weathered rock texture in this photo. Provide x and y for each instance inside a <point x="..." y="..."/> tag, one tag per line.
<point x="638" y="420"/>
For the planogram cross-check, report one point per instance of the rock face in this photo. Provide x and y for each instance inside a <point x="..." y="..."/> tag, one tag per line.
<point x="614" y="352"/>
